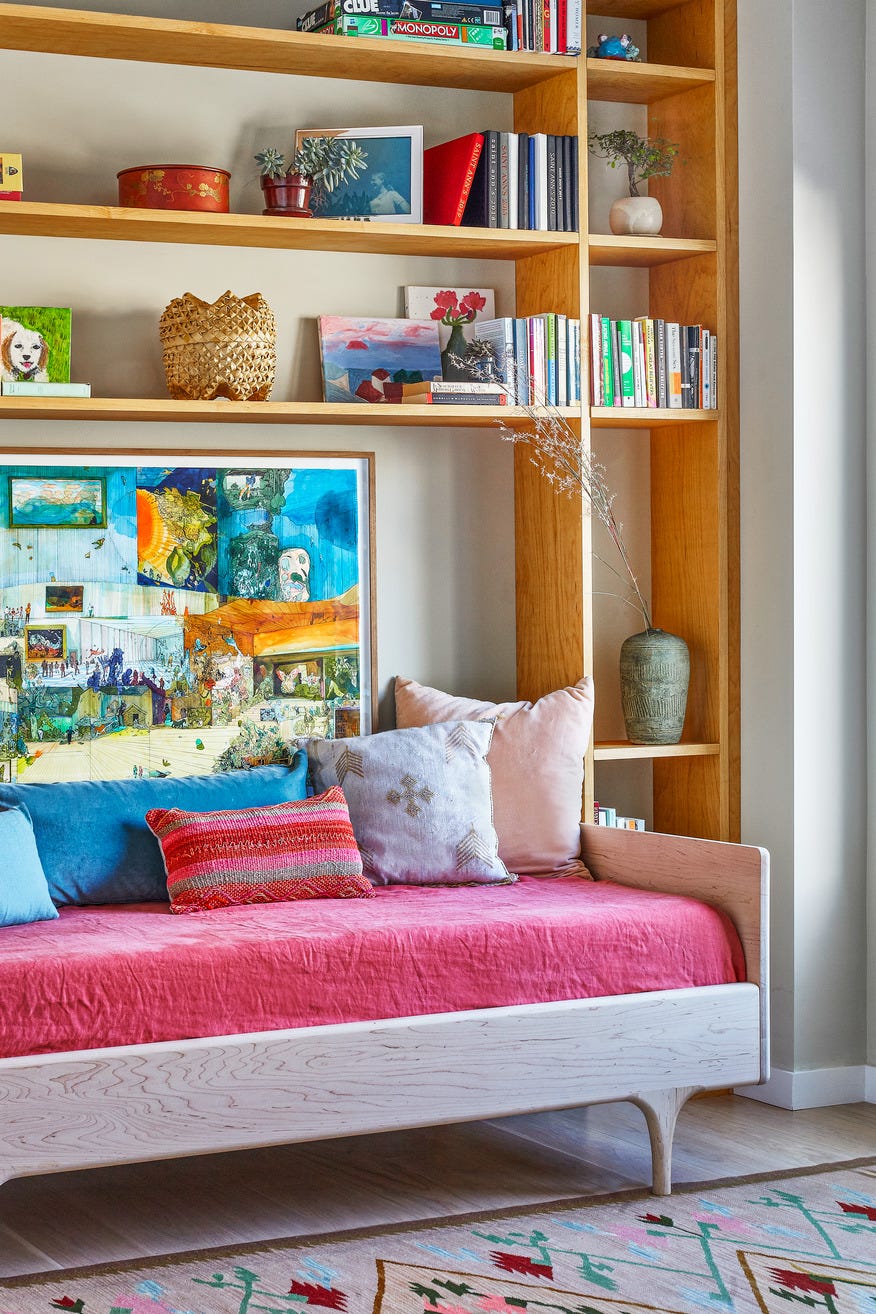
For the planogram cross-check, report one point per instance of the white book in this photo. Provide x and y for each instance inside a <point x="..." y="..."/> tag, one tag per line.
<point x="673" y="365"/>
<point x="640" y="395"/>
<point x="574" y="24"/>
<point x="596" y="396"/>
<point x="713" y="392"/>
<point x="562" y="361"/>
<point x="513" y="176"/>
<point x="539" y="181"/>
<point x="574" y="362"/>
<point x="553" y="30"/>
<point x="706" y="369"/>
<point x="499" y="333"/>
<point x="538" y="351"/>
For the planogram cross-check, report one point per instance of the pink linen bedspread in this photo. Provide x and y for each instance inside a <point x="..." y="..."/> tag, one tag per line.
<point x="131" y="974"/>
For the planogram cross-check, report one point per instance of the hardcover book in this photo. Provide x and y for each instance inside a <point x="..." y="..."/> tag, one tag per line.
<point x="448" y="173"/>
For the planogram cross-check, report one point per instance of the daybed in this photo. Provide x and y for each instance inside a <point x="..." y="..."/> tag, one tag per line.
<point x="168" y="1098"/>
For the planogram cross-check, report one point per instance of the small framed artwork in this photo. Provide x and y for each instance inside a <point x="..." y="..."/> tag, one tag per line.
<point x="347" y="723"/>
<point x="45" y="643"/>
<point x="64" y="597"/>
<point x="57" y="502"/>
<point x="389" y="188"/>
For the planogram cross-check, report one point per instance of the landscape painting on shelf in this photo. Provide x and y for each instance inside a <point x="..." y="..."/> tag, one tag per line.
<point x="179" y="620"/>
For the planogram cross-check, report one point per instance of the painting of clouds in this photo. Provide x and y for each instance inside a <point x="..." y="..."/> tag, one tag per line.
<point x="378" y="360"/>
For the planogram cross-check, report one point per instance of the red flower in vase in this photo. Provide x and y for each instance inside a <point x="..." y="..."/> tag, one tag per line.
<point x="471" y="303"/>
<point x="450" y="310"/>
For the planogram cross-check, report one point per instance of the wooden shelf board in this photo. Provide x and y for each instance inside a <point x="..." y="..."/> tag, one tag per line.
<point x="214" y="45"/>
<point x="641" y="84"/>
<point x="646" y="252"/>
<point x="224" y="412"/>
<point x="632" y="8"/>
<point x="636" y="417"/>
<point x="618" y="750"/>
<point x="114" y="223"/>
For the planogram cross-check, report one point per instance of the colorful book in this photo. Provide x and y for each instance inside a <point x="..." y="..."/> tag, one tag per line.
<point x="499" y="333"/>
<point x="436" y="11"/>
<point x="673" y="365"/>
<point x="625" y="345"/>
<point x="714" y="389"/>
<point x="607" y="361"/>
<point x="448" y="173"/>
<point x="662" y="376"/>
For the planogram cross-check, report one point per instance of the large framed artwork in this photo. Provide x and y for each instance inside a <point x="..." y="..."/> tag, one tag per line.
<point x="214" y="611"/>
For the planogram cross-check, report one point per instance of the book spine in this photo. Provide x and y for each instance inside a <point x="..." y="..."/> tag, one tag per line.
<point x="467" y="182"/>
<point x="491" y="147"/>
<point x="540" y="182"/>
<point x="562" y="8"/>
<point x="597" y="396"/>
<point x="673" y="364"/>
<point x="523" y="180"/>
<point x="552" y="183"/>
<point x="521" y="363"/>
<point x="562" y="360"/>
<point x="513" y="179"/>
<point x="693" y="353"/>
<point x="467" y="398"/>
<point x="638" y="364"/>
<point x="608" y="389"/>
<point x="550" y="333"/>
<point x="686" y="401"/>
<point x="662" y="390"/>
<point x="706" y="370"/>
<point x="617" y="399"/>
<point x="510" y="12"/>
<point x="539" y="373"/>
<point x="574" y="23"/>
<point x="504" y="180"/>
<point x="650" y="361"/>
<point x="625" y="340"/>
<point x="562" y="184"/>
<point x="714" y="388"/>
<point x="21" y="388"/>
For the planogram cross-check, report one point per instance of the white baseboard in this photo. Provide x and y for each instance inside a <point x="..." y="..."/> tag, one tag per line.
<point x="815" y="1088"/>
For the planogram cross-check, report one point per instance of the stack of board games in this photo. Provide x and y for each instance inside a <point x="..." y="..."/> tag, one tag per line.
<point x="449" y="22"/>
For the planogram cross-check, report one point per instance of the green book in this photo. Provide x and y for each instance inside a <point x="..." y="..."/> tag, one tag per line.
<point x="625" y="343"/>
<point x="609" y="391"/>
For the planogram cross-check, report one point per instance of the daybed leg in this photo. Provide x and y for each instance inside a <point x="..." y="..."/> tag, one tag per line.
<point x="661" y="1109"/>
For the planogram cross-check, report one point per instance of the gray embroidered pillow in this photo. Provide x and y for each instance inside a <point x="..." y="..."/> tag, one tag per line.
<point x="420" y="802"/>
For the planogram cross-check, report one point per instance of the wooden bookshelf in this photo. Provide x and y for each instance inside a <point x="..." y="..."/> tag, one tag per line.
<point x="688" y="85"/>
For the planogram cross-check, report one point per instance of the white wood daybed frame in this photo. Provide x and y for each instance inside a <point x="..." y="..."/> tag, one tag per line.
<point x="158" y="1101"/>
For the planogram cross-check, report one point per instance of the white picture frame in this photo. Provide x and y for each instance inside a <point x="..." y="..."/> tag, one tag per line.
<point x="395" y="158"/>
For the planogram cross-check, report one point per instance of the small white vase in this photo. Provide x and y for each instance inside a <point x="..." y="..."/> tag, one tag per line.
<point x="636" y="216"/>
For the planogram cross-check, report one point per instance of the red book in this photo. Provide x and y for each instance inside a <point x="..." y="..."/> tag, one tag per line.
<point x="448" y="172"/>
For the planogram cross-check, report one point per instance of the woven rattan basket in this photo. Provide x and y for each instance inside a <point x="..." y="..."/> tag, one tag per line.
<point x="224" y="349"/>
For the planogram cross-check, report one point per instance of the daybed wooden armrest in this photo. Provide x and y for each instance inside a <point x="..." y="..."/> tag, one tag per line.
<point x="732" y="877"/>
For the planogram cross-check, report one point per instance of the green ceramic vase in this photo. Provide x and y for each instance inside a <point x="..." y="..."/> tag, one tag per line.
<point x="654" y="674"/>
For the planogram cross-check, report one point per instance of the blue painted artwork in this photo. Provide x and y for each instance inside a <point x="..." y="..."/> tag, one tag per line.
<point x="378" y="360"/>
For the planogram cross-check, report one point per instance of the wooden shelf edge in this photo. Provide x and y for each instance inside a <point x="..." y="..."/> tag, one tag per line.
<point x="645" y="252"/>
<point x="165" y="409"/>
<point x="636" y="417"/>
<point x="641" y="84"/>
<point x="51" y="30"/>
<point x="620" y="751"/>
<point x="117" y="223"/>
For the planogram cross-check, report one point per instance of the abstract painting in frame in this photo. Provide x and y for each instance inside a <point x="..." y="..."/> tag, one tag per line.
<point x="222" y="610"/>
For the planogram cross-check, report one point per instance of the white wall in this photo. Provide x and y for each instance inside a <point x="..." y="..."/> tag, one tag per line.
<point x="803" y="515"/>
<point x="445" y="567"/>
<point x="871" y="502"/>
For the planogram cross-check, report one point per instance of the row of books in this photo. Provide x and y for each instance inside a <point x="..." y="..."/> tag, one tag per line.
<point x="652" y="363"/>
<point x="609" y="817"/>
<point x="537" y="359"/>
<point x="551" y="26"/>
<point x="523" y="180"/>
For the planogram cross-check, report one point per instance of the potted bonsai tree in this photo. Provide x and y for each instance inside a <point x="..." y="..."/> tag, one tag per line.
<point x="320" y="165"/>
<point x="643" y="157"/>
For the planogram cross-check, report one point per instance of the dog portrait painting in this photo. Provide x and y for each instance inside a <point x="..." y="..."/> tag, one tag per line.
<point x="34" y="344"/>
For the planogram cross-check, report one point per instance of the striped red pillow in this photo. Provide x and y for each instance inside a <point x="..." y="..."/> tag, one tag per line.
<point x="297" y="850"/>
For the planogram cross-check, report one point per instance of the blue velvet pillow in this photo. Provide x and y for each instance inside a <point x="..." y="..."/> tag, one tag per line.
<point x="92" y="835"/>
<point x="24" y="893"/>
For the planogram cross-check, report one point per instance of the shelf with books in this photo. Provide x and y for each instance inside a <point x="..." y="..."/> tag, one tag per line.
<point x="115" y="223"/>
<point x="640" y="417"/>
<point x="641" y="84"/>
<point x="215" y="45"/>
<point x="618" y="750"/>
<point x="223" y="412"/>
<point x="645" y="252"/>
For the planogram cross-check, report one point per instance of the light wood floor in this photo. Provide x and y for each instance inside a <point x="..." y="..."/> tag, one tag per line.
<point x="117" y="1213"/>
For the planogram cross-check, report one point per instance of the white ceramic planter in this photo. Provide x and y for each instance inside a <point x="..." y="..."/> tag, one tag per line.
<point x="638" y="216"/>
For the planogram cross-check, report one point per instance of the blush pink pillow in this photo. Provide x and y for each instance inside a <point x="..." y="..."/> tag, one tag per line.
<point x="537" y="764"/>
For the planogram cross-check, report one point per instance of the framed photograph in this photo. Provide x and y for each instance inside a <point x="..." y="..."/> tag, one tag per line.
<point x="226" y="609"/>
<point x="390" y="188"/>
<point x="45" y="643"/>
<point x="64" y="597"/>
<point x="57" y="502"/>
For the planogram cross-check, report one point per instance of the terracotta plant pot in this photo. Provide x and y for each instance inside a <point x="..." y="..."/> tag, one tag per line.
<point x="175" y="187"/>
<point x="288" y="195"/>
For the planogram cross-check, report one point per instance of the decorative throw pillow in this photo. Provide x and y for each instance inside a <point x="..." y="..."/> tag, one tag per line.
<point x="537" y="761"/>
<point x="24" y="891"/>
<point x="419" y="801"/>
<point x="296" y="850"/>
<point x="94" y="844"/>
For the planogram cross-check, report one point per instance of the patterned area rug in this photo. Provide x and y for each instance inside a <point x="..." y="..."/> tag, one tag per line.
<point x="767" y="1244"/>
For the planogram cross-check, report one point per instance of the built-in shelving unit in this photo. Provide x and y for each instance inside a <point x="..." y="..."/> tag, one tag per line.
<point x="688" y="87"/>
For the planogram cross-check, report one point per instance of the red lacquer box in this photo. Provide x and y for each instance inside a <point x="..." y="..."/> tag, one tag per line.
<point x="175" y="187"/>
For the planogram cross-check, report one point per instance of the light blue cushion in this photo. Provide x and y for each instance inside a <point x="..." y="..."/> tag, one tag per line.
<point x="420" y="802"/>
<point x="92" y="835"/>
<point x="24" y="893"/>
